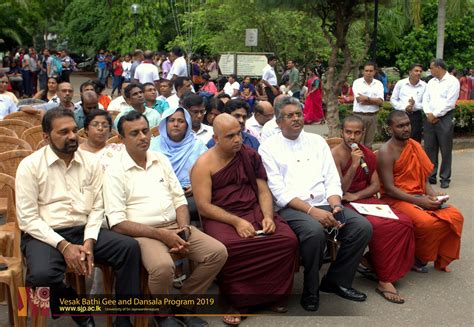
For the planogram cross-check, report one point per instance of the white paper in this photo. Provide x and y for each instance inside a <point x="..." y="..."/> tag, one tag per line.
<point x="379" y="210"/>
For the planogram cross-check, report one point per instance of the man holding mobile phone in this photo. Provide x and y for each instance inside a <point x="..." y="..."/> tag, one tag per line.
<point x="144" y="199"/>
<point x="306" y="187"/>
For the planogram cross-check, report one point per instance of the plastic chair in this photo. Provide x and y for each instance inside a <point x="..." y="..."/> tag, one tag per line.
<point x="8" y="143"/>
<point x="34" y="119"/>
<point x="114" y="139"/>
<point x="33" y="136"/>
<point x="10" y="160"/>
<point x="7" y="132"/>
<point x="18" y="126"/>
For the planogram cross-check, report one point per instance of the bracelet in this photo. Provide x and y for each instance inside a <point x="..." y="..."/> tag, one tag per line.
<point x="65" y="247"/>
<point x="309" y="210"/>
<point x="340" y="206"/>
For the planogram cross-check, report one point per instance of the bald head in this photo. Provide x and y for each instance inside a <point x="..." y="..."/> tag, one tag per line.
<point x="90" y="101"/>
<point x="279" y="98"/>
<point x="264" y="112"/>
<point x="223" y="123"/>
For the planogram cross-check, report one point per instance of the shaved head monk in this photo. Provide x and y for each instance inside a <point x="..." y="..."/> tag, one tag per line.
<point x="404" y="169"/>
<point x="392" y="247"/>
<point x="232" y="196"/>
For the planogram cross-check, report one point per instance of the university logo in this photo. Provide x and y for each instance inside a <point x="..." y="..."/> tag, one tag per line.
<point x="36" y="298"/>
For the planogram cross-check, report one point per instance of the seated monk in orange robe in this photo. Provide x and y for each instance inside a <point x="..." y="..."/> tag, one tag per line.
<point x="404" y="168"/>
<point x="392" y="247"/>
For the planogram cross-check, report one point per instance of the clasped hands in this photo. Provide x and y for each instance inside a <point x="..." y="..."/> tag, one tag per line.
<point x="246" y="230"/>
<point x="79" y="258"/>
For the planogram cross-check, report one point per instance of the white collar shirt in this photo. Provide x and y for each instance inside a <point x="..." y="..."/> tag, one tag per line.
<point x="147" y="196"/>
<point x="179" y="68"/>
<point x="269" y="129"/>
<point x="204" y="134"/>
<point x="404" y="91"/>
<point x="7" y="106"/>
<point x="303" y="168"/>
<point x="118" y="104"/>
<point x="372" y="90"/>
<point x="52" y="196"/>
<point x="268" y="74"/>
<point x="146" y="72"/>
<point x="441" y="95"/>
<point x="254" y="127"/>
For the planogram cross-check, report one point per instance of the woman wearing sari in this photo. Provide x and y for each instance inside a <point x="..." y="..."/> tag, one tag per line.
<point x="313" y="106"/>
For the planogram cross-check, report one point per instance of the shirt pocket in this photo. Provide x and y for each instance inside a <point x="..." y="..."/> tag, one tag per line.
<point x="86" y="200"/>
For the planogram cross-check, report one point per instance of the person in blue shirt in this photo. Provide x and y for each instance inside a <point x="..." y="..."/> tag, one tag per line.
<point x="239" y="109"/>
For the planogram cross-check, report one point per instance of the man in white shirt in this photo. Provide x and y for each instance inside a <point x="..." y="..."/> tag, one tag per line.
<point x="60" y="212"/>
<point x="263" y="113"/>
<point x="306" y="187"/>
<point x="439" y="101"/>
<point x="232" y="87"/>
<point x="144" y="199"/>
<point x="368" y="97"/>
<point x="194" y="104"/>
<point x="270" y="80"/>
<point x="179" y="67"/>
<point x="7" y="106"/>
<point x="119" y="104"/>
<point x="407" y="96"/>
<point x="147" y="72"/>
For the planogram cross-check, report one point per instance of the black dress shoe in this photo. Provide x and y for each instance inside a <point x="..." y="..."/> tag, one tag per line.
<point x="346" y="293"/>
<point x="310" y="302"/>
<point x="432" y="181"/>
<point x="444" y="184"/>
<point x="84" y="321"/>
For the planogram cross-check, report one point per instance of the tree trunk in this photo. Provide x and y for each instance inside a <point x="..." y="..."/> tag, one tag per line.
<point x="441" y="24"/>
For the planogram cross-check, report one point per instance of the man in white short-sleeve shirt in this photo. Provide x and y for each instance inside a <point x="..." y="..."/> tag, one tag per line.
<point x="179" y="67"/>
<point x="368" y="97"/>
<point x="147" y="72"/>
<point x="232" y="87"/>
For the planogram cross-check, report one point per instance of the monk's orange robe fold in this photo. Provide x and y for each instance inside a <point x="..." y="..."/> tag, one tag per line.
<point x="437" y="232"/>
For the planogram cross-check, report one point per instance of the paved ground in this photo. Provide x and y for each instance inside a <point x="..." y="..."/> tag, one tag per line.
<point x="433" y="299"/>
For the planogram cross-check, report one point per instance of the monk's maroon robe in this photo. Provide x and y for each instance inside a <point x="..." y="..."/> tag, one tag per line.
<point x="392" y="248"/>
<point x="259" y="270"/>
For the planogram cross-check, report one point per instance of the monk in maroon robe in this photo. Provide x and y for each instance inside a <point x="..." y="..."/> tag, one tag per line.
<point x="392" y="248"/>
<point x="233" y="199"/>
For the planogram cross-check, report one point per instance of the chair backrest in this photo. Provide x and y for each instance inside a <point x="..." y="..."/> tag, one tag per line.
<point x="7" y="132"/>
<point x="33" y="119"/>
<point x="82" y="133"/>
<point x="33" y="135"/>
<point x="10" y="160"/>
<point x="8" y="143"/>
<point x="18" y="126"/>
<point x="333" y="141"/>
<point x="7" y="192"/>
<point x="114" y="139"/>
<point x="113" y="114"/>
<point x="41" y="144"/>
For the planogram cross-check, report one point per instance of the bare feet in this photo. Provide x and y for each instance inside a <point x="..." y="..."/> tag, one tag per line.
<point x="389" y="292"/>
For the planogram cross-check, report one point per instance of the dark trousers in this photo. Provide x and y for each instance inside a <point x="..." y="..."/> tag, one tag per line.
<point x="439" y="137"/>
<point x="271" y="97"/>
<point x="46" y="265"/>
<point x="65" y="75"/>
<point x="416" y="121"/>
<point x="27" y="87"/>
<point x="354" y="237"/>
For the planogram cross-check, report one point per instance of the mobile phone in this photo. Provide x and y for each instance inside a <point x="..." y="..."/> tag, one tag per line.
<point x="3" y="266"/>
<point x="183" y="235"/>
<point x="340" y="217"/>
<point x="442" y="197"/>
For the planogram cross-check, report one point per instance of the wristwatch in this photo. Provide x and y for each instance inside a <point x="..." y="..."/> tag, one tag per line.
<point x="340" y="206"/>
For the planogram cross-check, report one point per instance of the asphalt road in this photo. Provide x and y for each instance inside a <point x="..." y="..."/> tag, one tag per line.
<point x="433" y="299"/>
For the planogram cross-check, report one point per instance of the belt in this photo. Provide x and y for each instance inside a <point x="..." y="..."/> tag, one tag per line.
<point x="365" y="113"/>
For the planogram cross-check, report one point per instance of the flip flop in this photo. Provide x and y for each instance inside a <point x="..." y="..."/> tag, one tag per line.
<point x="233" y="314"/>
<point x="384" y="295"/>
<point x="367" y="273"/>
